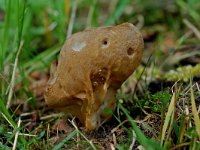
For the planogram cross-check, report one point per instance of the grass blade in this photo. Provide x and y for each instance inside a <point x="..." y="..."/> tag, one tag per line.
<point x="42" y="59"/>
<point x="57" y="147"/>
<point x="194" y="111"/>
<point x="147" y="143"/>
<point x="168" y="117"/>
<point x="117" y="12"/>
<point x="4" y="40"/>
<point x="5" y="112"/>
<point x="190" y="10"/>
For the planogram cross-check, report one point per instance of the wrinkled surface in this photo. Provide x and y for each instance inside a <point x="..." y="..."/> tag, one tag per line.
<point x="92" y="65"/>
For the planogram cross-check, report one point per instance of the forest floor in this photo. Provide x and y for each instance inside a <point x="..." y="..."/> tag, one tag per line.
<point x="158" y="106"/>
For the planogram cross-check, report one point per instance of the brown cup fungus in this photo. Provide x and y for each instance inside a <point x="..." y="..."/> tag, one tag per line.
<point x="92" y="65"/>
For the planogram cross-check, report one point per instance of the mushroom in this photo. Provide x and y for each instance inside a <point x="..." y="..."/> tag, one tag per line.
<point x="92" y="65"/>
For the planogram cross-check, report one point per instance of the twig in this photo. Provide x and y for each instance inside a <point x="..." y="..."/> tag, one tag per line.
<point x="27" y="114"/>
<point x="192" y="27"/>
<point x="198" y="86"/>
<point x="115" y="129"/>
<point x="23" y="134"/>
<point x="112" y="146"/>
<point x="136" y="121"/>
<point x="7" y="120"/>
<point x="51" y="116"/>
<point x="72" y="18"/>
<point x="17" y="134"/>
<point x="143" y="120"/>
<point x="187" y="89"/>
<point x="114" y="140"/>
<point x="140" y="147"/>
<point x="180" y="145"/>
<point x="133" y="140"/>
<point x="12" y="83"/>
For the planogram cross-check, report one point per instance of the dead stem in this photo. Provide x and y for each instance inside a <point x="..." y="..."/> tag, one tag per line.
<point x="12" y="82"/>
<point x="17" y="134"/>
<point x="72" y="18"/>
<point x="180" y="145"/>
<point x="192" y="27"/>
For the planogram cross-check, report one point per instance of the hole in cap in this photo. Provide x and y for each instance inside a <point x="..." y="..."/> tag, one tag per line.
<point x="105" y="43"/>
<point x="130" y="51"/>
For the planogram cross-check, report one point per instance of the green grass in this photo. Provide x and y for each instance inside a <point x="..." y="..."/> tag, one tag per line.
<point x="31" y="35"/>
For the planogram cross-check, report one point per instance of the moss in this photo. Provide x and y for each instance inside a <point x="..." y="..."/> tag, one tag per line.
<point x="183" y="73"/>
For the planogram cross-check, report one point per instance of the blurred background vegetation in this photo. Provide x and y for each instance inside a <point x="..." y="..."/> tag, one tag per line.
<point x="33" y="31"/>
